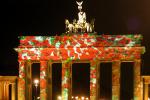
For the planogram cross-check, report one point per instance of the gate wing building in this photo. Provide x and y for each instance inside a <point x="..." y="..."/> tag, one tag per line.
<point x="79" y="44"/>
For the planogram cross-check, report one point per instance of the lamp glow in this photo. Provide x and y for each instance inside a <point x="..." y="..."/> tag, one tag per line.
<point x="76" y="97"/>
<point x="59" y="97"/>
<point x="36" y="82"/>
<point x="82" y="98"/>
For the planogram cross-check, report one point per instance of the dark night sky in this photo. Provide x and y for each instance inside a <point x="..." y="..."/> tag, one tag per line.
<point x="29" y="16"/>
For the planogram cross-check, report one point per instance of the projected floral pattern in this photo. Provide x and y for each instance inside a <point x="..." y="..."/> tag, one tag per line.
<point x="82" y="40"/>
<point x="65" y="80"/>
<point x="83" y="47"/>
<point x="76" y="47"/>
<point x="93" y="80"/>
<point x="21" y="80"/>
<point x="43" y="83"/>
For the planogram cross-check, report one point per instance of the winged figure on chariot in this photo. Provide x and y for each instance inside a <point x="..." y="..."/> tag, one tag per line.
<point x="80" y="25"/>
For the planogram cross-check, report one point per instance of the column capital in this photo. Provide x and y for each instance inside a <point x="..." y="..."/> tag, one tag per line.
<point x="94" y="60"/>
<point x="146" y="81"/>
<point x="137" y="60"/>
<point x="44" y="63"/>
<point x="43" y="60"/>
<point x="7" y="82"/>
<point x="13" y="83"/>
<point x="50" y="62"/>
<point x="66" y="62"/>
<point x="116" y="61"/>
<point x="28" y="61"/>
<point x="21" y="61"/>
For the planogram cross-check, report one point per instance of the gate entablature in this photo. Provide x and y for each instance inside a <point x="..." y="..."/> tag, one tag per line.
<point x="80" y="46"/>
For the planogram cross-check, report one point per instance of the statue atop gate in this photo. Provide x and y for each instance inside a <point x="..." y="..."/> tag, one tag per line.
<point x="81" y="14"/>
<point x="81" y="25"/>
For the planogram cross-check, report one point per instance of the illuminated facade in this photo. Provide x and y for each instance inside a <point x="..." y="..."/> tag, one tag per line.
<point x="7" y="82"/>
<point x="73" y="47"/>
<point x="77" y="48"/>
<point x="146" y="83"/>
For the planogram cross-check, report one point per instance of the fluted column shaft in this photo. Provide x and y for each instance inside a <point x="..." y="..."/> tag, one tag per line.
<point x="66" y="81"/>
<point x="145" y="91"/>
<point x="116" y="80"/>
<point x="43" y="80"/>
<point x="93" y="79"/>
<point x="49" y="79"/>
<point x="21" y="80"/>
<point x="13" y="92"/>
<point x="1" y="90"/>
<point x="137" y="80"/>
<point x="98" y="81"/>
<point x="6" y="90"/>
<point x="28" y="80"/>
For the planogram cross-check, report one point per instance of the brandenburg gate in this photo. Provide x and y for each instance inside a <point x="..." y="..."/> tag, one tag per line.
<point x="68" y="49"/>
<point x="75" y="46"/>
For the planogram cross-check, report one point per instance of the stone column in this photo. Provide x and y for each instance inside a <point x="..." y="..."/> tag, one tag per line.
<point x="43" y="80"/>
<point x="93" y="79"/>
<point x="145" y="91"/>
<point x="116" y="80"/>
<point x="13" y="92"/>
<point x="2" y="90"/>
<point x="98" y="81"/>
<point x="21" y="80"/>
<point x="49" y="78"/>
<point x="28" y="80"/>
<point x="66" y="81"/>
<point x="137" y="81"/>
<point x="6" y="90"/>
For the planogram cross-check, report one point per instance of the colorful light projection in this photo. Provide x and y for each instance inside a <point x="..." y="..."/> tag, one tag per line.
<point x="76" y="47"/>
<point x="43" y="80"/>
<point x="80" y="40"/>
<point x="65" y="80"/>
<point x="93" y="80"/>
<point x="82" y="47"/>
<point x="21" y="81"/>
